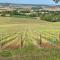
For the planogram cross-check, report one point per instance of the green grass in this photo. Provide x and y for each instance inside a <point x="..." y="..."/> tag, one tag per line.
<point x="5" y="53"/>
<point x="32" y="53"/>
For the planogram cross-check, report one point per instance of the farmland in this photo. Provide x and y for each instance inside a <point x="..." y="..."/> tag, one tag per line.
<point x="32" y="37"/>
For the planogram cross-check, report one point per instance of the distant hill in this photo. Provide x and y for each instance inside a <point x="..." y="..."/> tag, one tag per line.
<point x="44" y="6"/>
<point x="12" y="4"/>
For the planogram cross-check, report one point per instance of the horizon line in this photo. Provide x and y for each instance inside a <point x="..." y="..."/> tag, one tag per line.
<point x="28" y="3"/>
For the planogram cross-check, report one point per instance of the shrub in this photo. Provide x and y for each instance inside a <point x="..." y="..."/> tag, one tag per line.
<point x="5" y="53"/>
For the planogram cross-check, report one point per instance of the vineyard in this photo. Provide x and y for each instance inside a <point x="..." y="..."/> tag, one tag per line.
<point x="39" y="39"/>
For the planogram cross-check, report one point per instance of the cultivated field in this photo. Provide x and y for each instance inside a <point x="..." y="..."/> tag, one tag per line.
<point x="29" y="39"/>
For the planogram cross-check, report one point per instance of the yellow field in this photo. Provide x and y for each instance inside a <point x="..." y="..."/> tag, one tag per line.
<point x="12" y="24"/>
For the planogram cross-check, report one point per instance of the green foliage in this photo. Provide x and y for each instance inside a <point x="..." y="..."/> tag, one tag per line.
<point x="33" y="53"/>
<point x="3" y="14"/>
<point x="26" y="11"/>
<point x="56" y="1"/>
<point x="52" y="41"/>
<point x="15" y="12"/>
<point x="5" y="53"/>
<point x="51" y="16"/>
<point x="33" y="15"/>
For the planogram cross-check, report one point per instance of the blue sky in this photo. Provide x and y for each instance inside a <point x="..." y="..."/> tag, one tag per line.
<point x="29" y="1"/>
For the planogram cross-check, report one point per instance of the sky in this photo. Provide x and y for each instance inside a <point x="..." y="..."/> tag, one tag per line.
<point x="29" y="1"/>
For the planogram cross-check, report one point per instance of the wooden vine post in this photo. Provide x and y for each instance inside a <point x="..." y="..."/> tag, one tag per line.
<point x="40" y="40"/>
<point x="0" y="41"/>
<point x="21" y="40"/>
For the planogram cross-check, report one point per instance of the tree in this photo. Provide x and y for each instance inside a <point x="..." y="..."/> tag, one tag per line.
<point x="15" y="12"/>
<point x="3" y="13"/>
<point x="56" y="1"/>
<point x="33" y="15"/>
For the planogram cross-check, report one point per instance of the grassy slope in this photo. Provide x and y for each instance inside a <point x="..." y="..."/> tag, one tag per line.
<point x="11" y="24"/>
